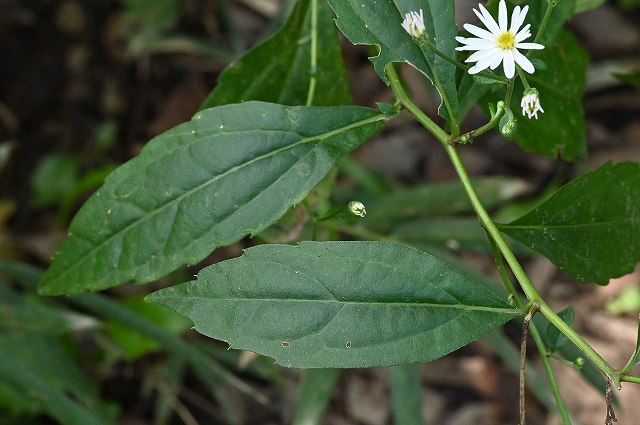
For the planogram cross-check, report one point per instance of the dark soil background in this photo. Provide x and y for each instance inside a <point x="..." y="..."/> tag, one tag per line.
<point x="85" y="78"/>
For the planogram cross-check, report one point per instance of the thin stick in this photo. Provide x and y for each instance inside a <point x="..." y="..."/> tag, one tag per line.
<point x="523" y="357"/>
<point x="608" y="395"/>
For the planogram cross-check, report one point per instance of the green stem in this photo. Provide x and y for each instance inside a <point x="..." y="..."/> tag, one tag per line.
<point x="543" y="24"/>
<point x="535" y="334"/>
<point x="522" y="278"/>
<point x="314" y="52"/>
<point x="495" y="119"/>
<point x="523" y="77"/>
<point x="634" y="379"/>
<point x="509" y="95"/>
<point x="404" y="99"/>
<point x="553" y="383"/>
<point x="491" y="228"/>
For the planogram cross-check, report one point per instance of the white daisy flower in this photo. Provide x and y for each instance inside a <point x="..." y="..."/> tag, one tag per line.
<point x="414" y="23"/>
<point x="531" y="103"/>
<point x="501" y="43"/>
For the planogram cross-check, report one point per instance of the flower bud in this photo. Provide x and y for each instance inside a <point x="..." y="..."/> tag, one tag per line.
<point x="357" y="208"/>
<point x="508" y="124"/>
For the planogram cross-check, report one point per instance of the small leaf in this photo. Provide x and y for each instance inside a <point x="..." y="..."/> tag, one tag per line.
<point x="314" y="395"/>
<point x="631" y="78"/>
<point x="406" y="394"/>
<point x="278" y="70"/>
<point x="338" y="304"/>
<point x="554" y="338"/>
<point x="589" y="227"/>
<point x="379" y="23"/>
<point x="231" y="171"/>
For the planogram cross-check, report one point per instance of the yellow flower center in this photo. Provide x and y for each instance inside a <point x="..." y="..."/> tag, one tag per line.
<point x="506" y="40"/>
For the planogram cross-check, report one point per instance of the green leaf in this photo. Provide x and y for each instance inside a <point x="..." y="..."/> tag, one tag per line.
<point x="231" y="171"/>
<point x="561" y="128"/>
<point x="53" y="179"/>
<point x="437" y="199"/>
<point x="38" y="368"/>
<point x="278" y="70"/>
<point x="554" y="338"/>
<point x="314" y="395"/>
<point x="406" y="394"/>
<point x="632" y="78"/>
<point x="587" y="5"/>
<point x="26" y="313"/>
<point x="338" y="304"/>
<point x="379" y="23"/>
<point x="627" y="301"/>
<point x="132" y="342"/>
<point x="589" y="227"/>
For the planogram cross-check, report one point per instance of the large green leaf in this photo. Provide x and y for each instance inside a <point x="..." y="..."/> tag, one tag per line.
<point x="231" y="171"/>
<point x="378" y="22"/>
<point x="338" y="304"/>
<point x="279" y="69"/>
<point x="590" y="226"/>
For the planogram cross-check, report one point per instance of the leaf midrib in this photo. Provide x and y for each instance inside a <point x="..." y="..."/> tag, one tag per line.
<point x="567" y="226"/>
<point x="392" y="304"/>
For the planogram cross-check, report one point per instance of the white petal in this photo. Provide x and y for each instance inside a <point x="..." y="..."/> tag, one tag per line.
<point x="524" y="63"/>
<point x="509" y="64"/>
<point x="496" y="61"/>
<point x="476" y="68"/>
<point x="475" y="44"/>
<point x="516" y="23"/>
<point x="487" y="61"/>
<point x="523" y="34"/>
<point x="480" y="55"/>
<point x="488" y="20"/>
<point x="502" y="16"/>
<point x="480" y="43"/>
<point x="534" y="46"/>
<point x="515" y="17"/>
<point x="477" y="31"/>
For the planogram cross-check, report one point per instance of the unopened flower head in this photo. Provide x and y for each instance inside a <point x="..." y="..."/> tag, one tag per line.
<point x="357" y="208"/>
<point x="414" y="23"/>
<point x="501" y="42"/>
<point x="531" y="103"/>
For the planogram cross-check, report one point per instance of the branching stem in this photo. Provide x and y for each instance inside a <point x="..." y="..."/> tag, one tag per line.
<point x="491" y="228"/>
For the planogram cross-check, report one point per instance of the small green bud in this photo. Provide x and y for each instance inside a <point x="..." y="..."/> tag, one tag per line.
<point x="578" y="363"/>
<point x="508" y="124"/>
<point x="357" y="208"/>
